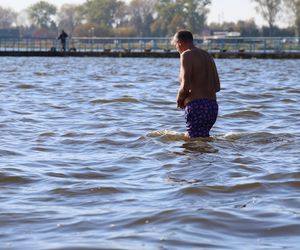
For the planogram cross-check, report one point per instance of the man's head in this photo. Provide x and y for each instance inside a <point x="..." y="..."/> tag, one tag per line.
<point x="183" y="40"/>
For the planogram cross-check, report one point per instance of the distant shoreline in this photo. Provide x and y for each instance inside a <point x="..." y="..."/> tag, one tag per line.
<point x="171" y="54"/>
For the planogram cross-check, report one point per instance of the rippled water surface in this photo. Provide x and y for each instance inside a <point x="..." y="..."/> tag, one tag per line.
<point x="93" y="156"/>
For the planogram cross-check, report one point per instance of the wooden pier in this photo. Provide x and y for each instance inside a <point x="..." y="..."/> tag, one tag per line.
<point x="232" y="48"/>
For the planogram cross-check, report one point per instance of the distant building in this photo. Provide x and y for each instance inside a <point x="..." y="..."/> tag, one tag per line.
<point x="225" y="34"/>
<point x="9" y="33"/>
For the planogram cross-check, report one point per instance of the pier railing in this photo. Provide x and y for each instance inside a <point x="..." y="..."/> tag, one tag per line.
<point x="116" y="44"/>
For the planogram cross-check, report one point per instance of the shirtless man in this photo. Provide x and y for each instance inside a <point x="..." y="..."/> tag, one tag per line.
<point x="199" y="83"/>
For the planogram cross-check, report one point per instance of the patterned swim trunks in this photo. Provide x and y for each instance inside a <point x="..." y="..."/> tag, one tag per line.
<point x="200" y="116"/>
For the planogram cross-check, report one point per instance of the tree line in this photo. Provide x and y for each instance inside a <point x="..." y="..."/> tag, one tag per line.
<point x="145" y="18"/>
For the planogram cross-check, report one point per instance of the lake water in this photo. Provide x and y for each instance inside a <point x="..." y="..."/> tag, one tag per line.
<point x="93" y="156"/>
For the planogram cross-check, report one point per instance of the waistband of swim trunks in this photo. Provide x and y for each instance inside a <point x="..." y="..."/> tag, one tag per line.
<point x="204" y="100"/>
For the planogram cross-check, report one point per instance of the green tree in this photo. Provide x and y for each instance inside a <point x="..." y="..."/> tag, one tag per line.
<point x="277" y="32"/>
<point x="269" y="10"/>
<point x="169" y="18"/>
<point x="247" y="28"/>
<point x="42" y="14"/>
<point x="178" y="14"/>
<point x="293" y="7"/>
<point x="195" y="13"/>
<point x="103" y="12"/>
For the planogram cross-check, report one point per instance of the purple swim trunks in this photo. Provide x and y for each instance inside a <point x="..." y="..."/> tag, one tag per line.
<point x="200" y="116"/>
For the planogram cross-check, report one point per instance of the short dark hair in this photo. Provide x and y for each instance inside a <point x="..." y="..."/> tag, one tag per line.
<point x="184" y="35"/>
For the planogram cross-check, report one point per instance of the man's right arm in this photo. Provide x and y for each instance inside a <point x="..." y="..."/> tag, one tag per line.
<point x="186" y="78"/>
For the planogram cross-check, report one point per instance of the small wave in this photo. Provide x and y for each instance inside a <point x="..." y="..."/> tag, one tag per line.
<point x="29" y="120"/>
<point x="110" y="142"/>
<point x="247" y="96"/>
<point x="96" y="77"/>
<point x="43" y="149"/>
<point x="244" y="114"/>
<point x="122" y="99"/>
<point x="91" y="175"/>
<point x="267" y="95"/>
<point x="40" y="73"/>
<point x="75" y="134"/>
<point x="57" y="106"/>
<point x="287" y="100"/>
<point x="160" y="102"/>
<point x="261" y="138"/>
<point x="74" y="142"/>
<point x="8" y="70"/>
<point x="293" y="184"/>
<point x="4" y="152"/>
<point x="47" y="134"/>
<point x="168" y="135"/>
<point x="278" y="89"/>
<point x="25" y="86"/>
<point x="57" y="175"/>
<point x="174" y="179"/>
<point x="13" y="179"/>
<point x="200" y="145"/>
<point x="123" y="86"/>
<point x="88" y="191"/>
<point x="20" y="112"/>
<point x="237" y="136"/>
<point x="294" y="91"/>
<point x="201" y="190"/>
<point x="293" y="176"/>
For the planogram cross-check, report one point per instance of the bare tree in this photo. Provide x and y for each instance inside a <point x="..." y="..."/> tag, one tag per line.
<point x="293" y="7"/>
<point x="102" y="12"/>
<point x="269" y="10"/>
<point x="69" y="16"/>
<point x="7" y="18"/>
<point x="141" y="15"/>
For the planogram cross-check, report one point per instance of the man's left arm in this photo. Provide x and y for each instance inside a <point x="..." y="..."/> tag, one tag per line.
<point x="217" y="81"/>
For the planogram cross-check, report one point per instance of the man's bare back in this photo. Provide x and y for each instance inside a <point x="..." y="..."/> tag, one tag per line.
<point x="198" y="76"/>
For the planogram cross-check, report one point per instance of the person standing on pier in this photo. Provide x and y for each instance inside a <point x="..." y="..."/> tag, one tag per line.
<point x="199" y="83"/>
<point x="63" y="36"/>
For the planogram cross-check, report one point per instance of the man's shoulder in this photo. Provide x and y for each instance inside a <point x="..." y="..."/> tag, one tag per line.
<point x="204" y="54"/>
<point x="196" y="54"/>
<point x="195" y="51"/>
<point x="202" y="51"/>
<point x="188" y="54"/>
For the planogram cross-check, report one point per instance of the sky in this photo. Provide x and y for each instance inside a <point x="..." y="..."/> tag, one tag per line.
<point x="220" y="10"/>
